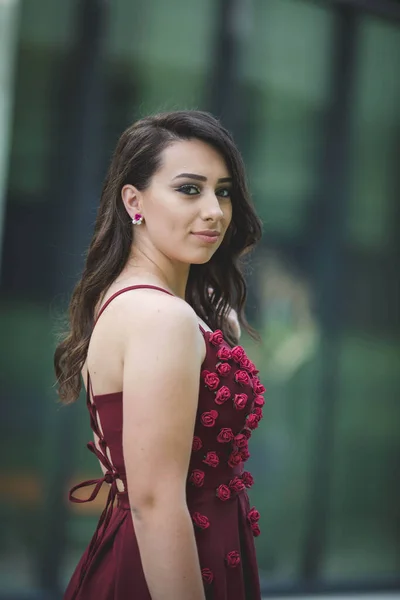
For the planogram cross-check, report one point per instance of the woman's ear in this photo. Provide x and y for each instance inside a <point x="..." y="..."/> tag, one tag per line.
<point x="131" y="198"/>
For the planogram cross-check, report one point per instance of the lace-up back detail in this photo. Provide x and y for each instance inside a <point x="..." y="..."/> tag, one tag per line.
<point x="104" y="455"/>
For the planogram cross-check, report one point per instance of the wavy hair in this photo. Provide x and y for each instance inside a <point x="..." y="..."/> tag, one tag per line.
<point x="136" y="158"/>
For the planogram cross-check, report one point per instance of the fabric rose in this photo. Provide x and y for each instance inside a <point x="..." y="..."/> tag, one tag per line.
<point x="252" y="421"/>
<point x="245" y="454"/>
<point x="211" y="459"/>
<point x="200" y="520"/>
<point x="197" y="477"/>
<point x="211" y="380"/>
<point x="222" y="395"/>
<point x="225" y="436"/>
<point x="247" y="479"/>
<point x="233" y="558"/>
<point x="197" y="444"/>
<point x="253" y="516"/>
<point x="216" y="338"/>
<point x="246" y="432"/>
<point x="257" y="411"/>
<point x="258" y="387"/>
<point x="240" y="401"/>
<point x="259" y="401"/>
<point x="235" y="459"/>
<point x="241" y="440"/>
<point x="242" y="377"/>
<point x="247" y="364"/>
<point x="236" y="485"/>
<point x="223" y="369"/>
<point x="207" y="575"/>
<point x="208" y="418"/>
<point x="224" y="353"/>
<point x="223" y="492"/>
<point x="255" y="529"/>
<point x="237" y="353"/>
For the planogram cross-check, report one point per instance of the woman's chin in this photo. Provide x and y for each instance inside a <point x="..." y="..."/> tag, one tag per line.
<point x="201" y="258"/>
<point x="195" y="258"/>
<point x="201" y="262"/>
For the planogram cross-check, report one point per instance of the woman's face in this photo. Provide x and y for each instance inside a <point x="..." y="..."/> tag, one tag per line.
<point x="190" y="193"/>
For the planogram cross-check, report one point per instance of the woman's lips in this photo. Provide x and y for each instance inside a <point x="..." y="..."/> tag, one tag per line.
<point x="209" y="239"/>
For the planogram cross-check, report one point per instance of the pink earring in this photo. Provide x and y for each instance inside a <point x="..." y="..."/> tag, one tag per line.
<point x="138" y="219"/>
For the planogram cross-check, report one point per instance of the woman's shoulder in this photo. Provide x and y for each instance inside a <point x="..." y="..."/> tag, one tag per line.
<point x="134" y="322"/>
<point x="129" y="292"/>
<point x="159" y="312"/>
<point x="158" y="320"/>
<point x="133" y="307"/>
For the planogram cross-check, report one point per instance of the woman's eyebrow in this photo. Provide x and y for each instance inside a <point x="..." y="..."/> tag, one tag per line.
<point x="201" y="177"/>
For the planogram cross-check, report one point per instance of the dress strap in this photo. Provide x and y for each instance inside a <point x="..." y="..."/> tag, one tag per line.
<point x="127" y="289"/>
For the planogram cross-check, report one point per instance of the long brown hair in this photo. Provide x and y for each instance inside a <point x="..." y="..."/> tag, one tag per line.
<point x="136" y="158"/>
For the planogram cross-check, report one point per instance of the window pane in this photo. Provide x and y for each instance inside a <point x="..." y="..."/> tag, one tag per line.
<point x="364" y="540"/>
<point x="165" y="50"/>
<point x="43" y="34"/>
<point x="286" y="68"/>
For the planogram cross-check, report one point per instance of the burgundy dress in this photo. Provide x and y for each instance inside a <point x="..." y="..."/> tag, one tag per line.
<point x="229" y="409"/>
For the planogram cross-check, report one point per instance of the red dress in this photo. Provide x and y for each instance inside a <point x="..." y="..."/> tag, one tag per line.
<point x="229" y="409"/>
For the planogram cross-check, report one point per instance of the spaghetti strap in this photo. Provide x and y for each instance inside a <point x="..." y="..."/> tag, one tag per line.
<point x="127" y="289"/>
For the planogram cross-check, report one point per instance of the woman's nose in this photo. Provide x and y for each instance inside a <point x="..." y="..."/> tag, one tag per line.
<point x="213" y="206"/>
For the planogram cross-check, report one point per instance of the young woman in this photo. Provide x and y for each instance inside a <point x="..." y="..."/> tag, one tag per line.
<point x="172" y="398"/>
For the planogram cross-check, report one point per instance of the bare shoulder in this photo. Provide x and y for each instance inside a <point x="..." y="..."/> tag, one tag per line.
<point x="146" y="316"/>
<point x="144" y="310"/>
<point x="145" y="306"/>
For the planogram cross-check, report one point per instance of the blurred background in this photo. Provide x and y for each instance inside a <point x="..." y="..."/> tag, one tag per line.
<point x="311" y="91"/>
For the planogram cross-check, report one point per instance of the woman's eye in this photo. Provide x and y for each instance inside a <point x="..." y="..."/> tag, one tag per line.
<point x="186" y="189"/>
<point x="191" y="190"/>
<point x="225" y="193"/>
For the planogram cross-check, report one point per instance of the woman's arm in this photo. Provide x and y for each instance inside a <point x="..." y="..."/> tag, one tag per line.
<point x="162" y="362"/>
